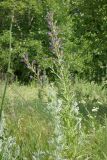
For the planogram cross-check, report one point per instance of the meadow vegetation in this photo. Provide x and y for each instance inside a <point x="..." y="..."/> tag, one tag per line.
<point x="53" y="87"/>
<point x="35" y="125"/>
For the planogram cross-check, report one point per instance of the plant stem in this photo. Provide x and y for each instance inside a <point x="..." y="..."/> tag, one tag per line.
<point x="9" y="66"/>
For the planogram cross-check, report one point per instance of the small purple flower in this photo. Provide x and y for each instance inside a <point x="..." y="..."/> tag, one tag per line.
<point x="55" y="41"/>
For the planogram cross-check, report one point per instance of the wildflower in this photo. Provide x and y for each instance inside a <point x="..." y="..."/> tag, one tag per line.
<point x="95" y="109"/>
<point x="55" y="43"/>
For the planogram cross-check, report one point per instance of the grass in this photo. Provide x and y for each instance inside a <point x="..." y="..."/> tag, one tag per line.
<point x="30" y="118"/>
<point x="61" y="121"/>
<point x="26" y="118"/>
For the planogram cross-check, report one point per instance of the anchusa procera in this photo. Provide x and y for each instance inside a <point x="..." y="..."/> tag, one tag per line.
<point x="55" y="41"/>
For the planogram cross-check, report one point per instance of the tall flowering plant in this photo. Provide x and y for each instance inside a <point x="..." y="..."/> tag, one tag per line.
<point x="68" y="114"/>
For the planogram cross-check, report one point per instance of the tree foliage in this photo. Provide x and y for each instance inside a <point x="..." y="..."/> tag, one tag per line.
<point x="82" y="26"/>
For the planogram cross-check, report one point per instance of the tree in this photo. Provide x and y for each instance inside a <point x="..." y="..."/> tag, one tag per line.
<point x="82" y="27"/>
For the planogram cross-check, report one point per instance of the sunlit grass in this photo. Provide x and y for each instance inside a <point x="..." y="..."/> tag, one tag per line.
<point x="26" y="118"/>
<point x="32" y="115"/>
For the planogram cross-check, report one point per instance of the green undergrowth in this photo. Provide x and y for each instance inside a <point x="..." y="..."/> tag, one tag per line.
<point x="31" y="117"/>
<point x="27" y="118"/>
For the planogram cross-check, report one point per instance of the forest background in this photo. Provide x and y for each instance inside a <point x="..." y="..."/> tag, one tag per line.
<point x="82" y="29"/>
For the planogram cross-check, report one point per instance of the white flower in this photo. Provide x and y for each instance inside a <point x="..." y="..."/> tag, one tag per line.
<point x="95" y="109"/>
